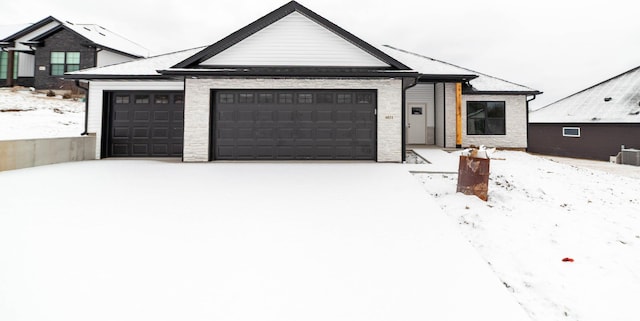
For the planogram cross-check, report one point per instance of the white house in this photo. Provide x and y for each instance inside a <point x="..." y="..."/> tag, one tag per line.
<point x="293" y="85"/>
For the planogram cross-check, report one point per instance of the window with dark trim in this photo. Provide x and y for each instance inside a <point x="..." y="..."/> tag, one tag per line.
<point x="162" y="99"/>
<point x="265" y="98"/>
<point x="571" y="131"/>
<point x="486" y="118"/>
<point x="245" y="98"/>
<point x="62" y="62"/>
<point x="226" y="98"/>
<point x="324" y="98"/>
<point x="305" y="98"/>
<point x="343" y="98"/>
<point x="285" y="98"/>
<point x="142" y="99"/>
<point x="364" y="98"/>
<point x="178" y="99"/>
<point x="120" y="99"/>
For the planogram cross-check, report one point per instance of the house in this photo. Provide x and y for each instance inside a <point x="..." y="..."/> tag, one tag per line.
<point x="293" y="85"/>
<point x="38" y="54"/>
<point x="593" y="123"/>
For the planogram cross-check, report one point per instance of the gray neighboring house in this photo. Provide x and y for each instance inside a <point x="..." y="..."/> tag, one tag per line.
<point x="39" y="54"/>
<point x="594" y="123"/>
<point x="294" y="86"/>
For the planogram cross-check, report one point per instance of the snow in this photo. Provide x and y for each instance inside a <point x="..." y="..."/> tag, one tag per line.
<point x="430" y="66"/>
<point x="25" y="114"/>
<point x="164" y="240"/>
<point x="590" y="106"/>
<point x="542" y="210"/>
<point x="141" y="67"/>
<point x="107" y="38"/>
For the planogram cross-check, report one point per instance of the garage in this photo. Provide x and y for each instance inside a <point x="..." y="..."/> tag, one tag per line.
<point x="293" y="125"/>
<point x="144" y="124"/>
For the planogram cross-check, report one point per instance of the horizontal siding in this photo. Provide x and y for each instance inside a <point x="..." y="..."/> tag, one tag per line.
<point x="423" y="94"/>
<point x="26" y="65"/>
<point x="106" y="58"/>
<point x="295" y="40"/>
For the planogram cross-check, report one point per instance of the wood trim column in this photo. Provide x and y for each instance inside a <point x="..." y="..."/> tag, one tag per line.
<point x="10" y="67"/>
<point x="458" y="115"/>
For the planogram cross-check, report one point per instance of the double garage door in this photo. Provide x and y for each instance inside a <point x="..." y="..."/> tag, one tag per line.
<point x="248" y="124"/>
<point x="293" y="125"/>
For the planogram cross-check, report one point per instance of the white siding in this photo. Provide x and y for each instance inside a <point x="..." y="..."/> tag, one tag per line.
<point x="96" y="94"/>
<point x="439" y="110"/>
<point x="450" y="115"/>
<point x="515" y="122"/>
<point x="26" y="65"/>
<point x="424" y="94"/>
<point x="295" y="40"/>
<point x="197" y="108"/>
<point x="106" y="58"/>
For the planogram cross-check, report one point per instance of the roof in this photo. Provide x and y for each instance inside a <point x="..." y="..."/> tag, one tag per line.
<point x="434" y="69"/>
<point x="270" y="18"/>
<point x="96" y="34"/>
<point x="615" y="100"/>
<point x="140" y="68"/>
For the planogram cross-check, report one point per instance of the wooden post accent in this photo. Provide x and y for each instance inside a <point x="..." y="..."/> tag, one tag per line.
<point x="10" y="69"/>
<point x="458" y="115"/>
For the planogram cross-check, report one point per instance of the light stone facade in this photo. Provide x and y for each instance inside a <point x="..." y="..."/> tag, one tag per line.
<point x="198" y="107"/>
<point x="515" y="122"/>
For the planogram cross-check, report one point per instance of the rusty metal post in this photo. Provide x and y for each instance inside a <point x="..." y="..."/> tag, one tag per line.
<point x="473" y="177"/>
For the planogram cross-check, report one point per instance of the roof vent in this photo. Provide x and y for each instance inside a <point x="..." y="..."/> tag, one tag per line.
<point x="69" y="22"/>
<point x="102" y="34"/>
<point x="87" y="29"/>
<point x="607" y="98"/>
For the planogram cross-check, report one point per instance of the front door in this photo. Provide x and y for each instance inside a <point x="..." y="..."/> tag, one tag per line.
<point x="416" y="123"/>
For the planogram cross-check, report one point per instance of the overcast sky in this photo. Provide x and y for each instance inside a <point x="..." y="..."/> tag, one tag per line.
<point x="558" y="47"/>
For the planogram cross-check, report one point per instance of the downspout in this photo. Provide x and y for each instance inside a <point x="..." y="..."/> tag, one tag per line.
<point x="527" y="106"/>
<point x="404" y="114"/>
<point x="86" y="108"/>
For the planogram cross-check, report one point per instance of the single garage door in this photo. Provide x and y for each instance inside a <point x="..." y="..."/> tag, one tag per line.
<point x="145" y="124"/>
<point x="294" y="124"/>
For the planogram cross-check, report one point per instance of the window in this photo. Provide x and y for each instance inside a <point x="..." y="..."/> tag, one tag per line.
<point x="265" y="98"/>
<point x="325" y="98"/>
<point x="285" y="98"/>
<point x="178" y="99"/>
<point x="122" y="99"/>
<point x="364" y="98"/>
<point x="142" y="99"/>
<point x="62" y="62"/>
<point x="571" y="131"/>
<point x="486" y="118"/>
<point x="344" y="98"/>
<point x="162" y="99"/>
<point x="245" y="98"/>
<point x="226" y="98"/>
<point x="305" y="98"/>
<point x="4" y="64"/>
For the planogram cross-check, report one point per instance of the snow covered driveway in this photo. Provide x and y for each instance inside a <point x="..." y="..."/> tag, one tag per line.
<point x="162" y="240"/>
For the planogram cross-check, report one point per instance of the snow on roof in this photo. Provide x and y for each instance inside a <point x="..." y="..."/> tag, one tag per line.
<point x="9" y="30"/>
<point x="107" y="38"/>
<point x="430" y="66"/>
<point x="616" y="100"/>
<point x="142" y="66"/>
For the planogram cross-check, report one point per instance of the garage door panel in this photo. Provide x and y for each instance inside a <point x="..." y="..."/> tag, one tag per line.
<point x="293" y="124"/>
<point x="150" y="125"/>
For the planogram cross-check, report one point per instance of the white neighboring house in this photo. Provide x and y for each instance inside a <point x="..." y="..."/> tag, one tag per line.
<point x="293" y="85"/>
<point x="39" y="54"/>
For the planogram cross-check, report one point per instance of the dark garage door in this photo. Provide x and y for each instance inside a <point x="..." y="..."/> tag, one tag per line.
<point x="294" y="124"/>
<point x="145" y="124"/>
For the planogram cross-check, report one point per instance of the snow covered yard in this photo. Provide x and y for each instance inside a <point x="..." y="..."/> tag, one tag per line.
<point x="541" y="211"/>
<point x="164" y="240"/>
<point x="25" y="114"/>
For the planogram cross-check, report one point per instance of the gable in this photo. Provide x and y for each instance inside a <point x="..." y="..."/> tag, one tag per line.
<point x="295" y="40"/>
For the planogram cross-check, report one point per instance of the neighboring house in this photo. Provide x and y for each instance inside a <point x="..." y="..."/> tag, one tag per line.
<point x="293" y="85"/>
<point x="44" y="51"/>
<point x="594" y="123"/>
